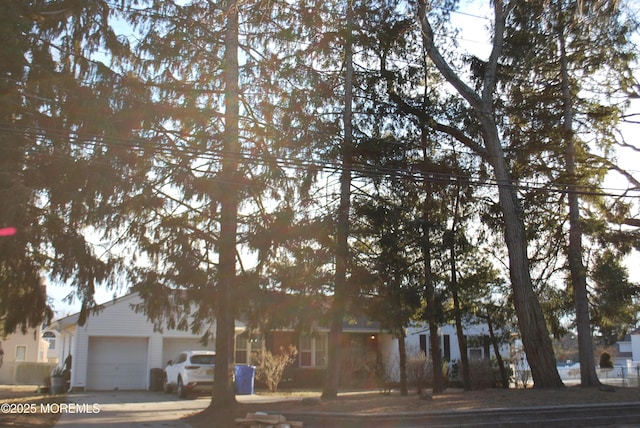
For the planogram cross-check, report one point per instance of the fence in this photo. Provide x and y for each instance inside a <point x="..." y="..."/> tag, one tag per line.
<point x="619" y="375"/>
<point x="27" y="373"/>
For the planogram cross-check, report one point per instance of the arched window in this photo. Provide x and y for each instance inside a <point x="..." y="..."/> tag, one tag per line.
<point x="51" y="338"/>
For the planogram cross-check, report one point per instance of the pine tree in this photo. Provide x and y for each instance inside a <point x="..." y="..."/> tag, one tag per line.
<point x="569" y="54"/>
<point x="67" y="165"/>
<point x="532" y="324"/>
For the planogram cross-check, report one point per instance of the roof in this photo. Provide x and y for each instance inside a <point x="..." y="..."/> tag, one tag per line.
<point x="72" y="320"/>
<point x="64" y="323"/>
<point x="636" y="331"/>
<point x="360" y="325"/>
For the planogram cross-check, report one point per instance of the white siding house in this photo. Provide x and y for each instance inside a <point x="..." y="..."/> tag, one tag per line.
<point x="117" y="348"/>
<point x="417" y="341"/>
<point x="628" y="355"/>
<point x="477" y="346"/>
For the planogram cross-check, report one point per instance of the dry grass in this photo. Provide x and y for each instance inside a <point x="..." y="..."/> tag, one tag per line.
<point x="451" y="399"/>
<point x="18" y="404"/>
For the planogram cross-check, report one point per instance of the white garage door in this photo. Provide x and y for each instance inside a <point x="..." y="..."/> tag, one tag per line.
<point x="117" y="363"/>
<point x="171" y="347"/>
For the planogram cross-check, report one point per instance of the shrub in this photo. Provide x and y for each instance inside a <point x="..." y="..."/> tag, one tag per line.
<point x="302" y="377"/>
<point x="360" y="367"/>
<point x="484" y="374"/>
<point x="605" y="361"/>
<point x="270" y="367"/>
<point x="419" y="371"/>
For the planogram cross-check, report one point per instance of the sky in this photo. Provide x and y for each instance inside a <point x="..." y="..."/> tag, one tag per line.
<point x="473" y="23"/>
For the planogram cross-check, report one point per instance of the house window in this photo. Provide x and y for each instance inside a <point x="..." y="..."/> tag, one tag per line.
<point x="51" y="338"/>
<point x="305" y="351"/>
<point x="479" y="347"/>
<point x="242" y="348"/>
<point x="21" y="353"/>
<point x="445" y="345"/>
<point x="423" y="344"/>
<point x="475" y="354"/>
<point x="320" y="351"/>
<point x="246" y="346"/>
<point x="313" y="351"/>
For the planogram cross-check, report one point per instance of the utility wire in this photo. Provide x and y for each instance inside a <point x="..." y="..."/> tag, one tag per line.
<point x="362" y="169"/>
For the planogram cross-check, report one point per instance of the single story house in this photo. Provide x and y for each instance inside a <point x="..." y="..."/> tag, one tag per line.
<point x="24" y="356"/>
<point x="117" y="347"/>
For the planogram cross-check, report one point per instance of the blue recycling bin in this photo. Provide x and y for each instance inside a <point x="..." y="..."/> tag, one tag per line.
<point x="245" y="376"/>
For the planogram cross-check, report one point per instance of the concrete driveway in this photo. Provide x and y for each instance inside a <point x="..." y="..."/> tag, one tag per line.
<point x="127" y="408"/>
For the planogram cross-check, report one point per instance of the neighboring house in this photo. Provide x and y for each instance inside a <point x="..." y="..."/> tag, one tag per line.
<point x="628" y="352"/>
<point x="625" y="358"/>
<point x="18" y="350"/>
<point x="626" y="362"/>
<point x="478" y="344"/>
<point x="628" y="348"/>
<point x="117" y="348"/>
<point x="23" y="356"/>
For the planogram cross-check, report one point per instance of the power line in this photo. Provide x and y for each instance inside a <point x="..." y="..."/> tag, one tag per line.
<point x="362" y="169"/>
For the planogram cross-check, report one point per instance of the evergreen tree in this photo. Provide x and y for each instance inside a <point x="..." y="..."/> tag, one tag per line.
<point x="531" y="318"/>
<point x="569" y="53"/>
<point x="67" y="165"/>
<point x="386" y="248"/>
<point x="616" y="305"/>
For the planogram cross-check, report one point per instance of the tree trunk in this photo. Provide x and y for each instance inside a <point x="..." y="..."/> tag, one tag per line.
<point x="462" y="343"/>
<point x="504" y="375"/>
<point x="402" y="352"/>
<point x="430" y="296"/>
<point x="462" y="340"/>
<point x="588" y="375"/>
<point x="223" y="393"/>
<point x="533" y="329"/>
<point x="436" y="356"/>
<point x="531" y="322"/>
<point x="340" y="295"/>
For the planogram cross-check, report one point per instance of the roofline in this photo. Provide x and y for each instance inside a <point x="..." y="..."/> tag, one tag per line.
<point x="72" y="320"/>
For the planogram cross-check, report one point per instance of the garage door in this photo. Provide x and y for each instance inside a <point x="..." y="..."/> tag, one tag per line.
<point x="117" y="363"/>
<point x="171" y="347"/>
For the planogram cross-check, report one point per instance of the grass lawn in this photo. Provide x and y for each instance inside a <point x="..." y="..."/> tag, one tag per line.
<point x="452" y="399"/>
<point x="20" y="406"/>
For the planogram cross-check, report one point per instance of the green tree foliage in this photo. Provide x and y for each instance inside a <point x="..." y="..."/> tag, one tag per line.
<point x="582" y="86"/>
<point x="482" y="100"/>
<point x="287" y="107"/>
<point x="218" y="150"/>
<point x="223" y="155"/>
<point x="605" y="361"/>
<point x="66" y="163"/>
<point x="615" y="303"/>
<point x="387" y="249"/>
